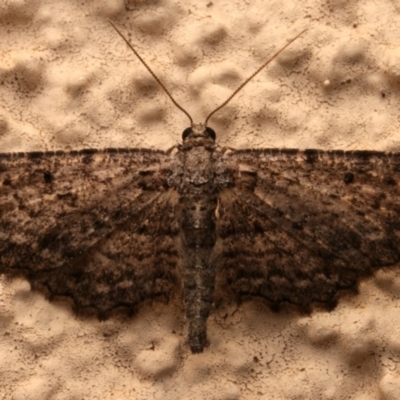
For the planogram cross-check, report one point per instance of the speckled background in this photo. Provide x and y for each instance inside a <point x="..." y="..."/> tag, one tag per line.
<point x="68" y="81"/>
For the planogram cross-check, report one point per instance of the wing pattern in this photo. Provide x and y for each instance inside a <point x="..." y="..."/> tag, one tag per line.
<point x="299" y="226"/>
<point x="98" y="226"/>
<point x="104" y="227"/>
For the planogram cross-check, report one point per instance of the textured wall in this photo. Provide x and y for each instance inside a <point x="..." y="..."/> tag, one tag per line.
<point x="69" y="82"/>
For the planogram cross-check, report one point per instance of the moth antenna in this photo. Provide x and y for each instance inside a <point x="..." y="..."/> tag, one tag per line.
<point x="252" y="76"/>
<point x="152" y="73"/>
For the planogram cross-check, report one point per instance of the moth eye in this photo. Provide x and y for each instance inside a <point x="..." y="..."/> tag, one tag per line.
<point x="186" y="133"/>
<point x="211" y="133"/>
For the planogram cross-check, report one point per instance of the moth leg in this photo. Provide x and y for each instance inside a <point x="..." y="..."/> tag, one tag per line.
<point x="171" y="149"/>
<point x="225" y="149"/>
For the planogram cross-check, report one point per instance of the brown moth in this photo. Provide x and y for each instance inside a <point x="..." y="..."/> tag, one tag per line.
<point x="115" y="227"/>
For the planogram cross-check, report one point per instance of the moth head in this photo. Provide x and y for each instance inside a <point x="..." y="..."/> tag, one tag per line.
<point x="198" y="133"/>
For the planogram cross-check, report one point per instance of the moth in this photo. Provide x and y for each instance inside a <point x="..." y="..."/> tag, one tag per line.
<point x="117" y="227"/>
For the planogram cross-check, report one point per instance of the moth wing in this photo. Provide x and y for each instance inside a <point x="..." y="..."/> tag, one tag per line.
<point x="98" y="227"/>
<point x="299" y="227"/>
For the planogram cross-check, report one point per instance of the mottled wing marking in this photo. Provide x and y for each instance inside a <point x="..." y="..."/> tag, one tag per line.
<point x="97" y="226"/>
<point x="298" y="227"/>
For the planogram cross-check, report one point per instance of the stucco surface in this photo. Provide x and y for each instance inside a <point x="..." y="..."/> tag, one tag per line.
<point x="68" y="82"/>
